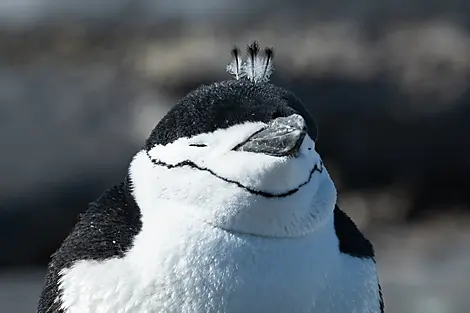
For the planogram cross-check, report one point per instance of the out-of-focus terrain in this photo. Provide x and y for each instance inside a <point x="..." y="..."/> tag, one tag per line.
<point x="83" y="83"/>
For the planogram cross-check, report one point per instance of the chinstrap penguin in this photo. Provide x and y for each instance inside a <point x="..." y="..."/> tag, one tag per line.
<point x="227" y="208"/>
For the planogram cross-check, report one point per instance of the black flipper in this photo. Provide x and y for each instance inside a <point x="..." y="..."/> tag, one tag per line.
<point x="353" y="242"/>
<point x="106" y="230"/>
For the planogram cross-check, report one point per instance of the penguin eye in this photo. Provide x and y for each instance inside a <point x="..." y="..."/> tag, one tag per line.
<point x="197" y="145"/>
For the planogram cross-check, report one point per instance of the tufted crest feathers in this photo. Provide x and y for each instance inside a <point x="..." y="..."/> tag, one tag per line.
<point x="257" y="68"/>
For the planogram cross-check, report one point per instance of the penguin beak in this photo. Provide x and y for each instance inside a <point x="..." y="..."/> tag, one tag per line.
<point x="283" y="136"/>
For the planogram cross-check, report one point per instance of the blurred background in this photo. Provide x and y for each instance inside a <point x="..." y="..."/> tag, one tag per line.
<point x="82" y="83"/>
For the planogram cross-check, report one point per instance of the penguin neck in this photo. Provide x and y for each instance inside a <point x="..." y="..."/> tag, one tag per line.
<point x="223" y="204"/>
<point x="233" y="209"/>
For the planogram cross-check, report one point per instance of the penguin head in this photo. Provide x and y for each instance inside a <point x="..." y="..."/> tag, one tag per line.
<point x="239" y="155"/>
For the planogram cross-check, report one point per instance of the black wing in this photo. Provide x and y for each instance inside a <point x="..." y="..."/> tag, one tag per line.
<point x="104" y="231"/>
<point x="353" y="242"/>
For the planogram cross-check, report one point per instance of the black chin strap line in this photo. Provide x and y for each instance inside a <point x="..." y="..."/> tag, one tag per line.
<point x="193" y="165"/>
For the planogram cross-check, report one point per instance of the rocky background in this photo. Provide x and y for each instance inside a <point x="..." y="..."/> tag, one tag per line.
<point x="82" y="83"/>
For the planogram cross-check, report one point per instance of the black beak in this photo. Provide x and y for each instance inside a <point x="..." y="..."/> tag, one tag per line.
<point x="282" y="137"/>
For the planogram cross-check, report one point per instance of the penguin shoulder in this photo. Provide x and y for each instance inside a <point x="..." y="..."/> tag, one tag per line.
<point x="105" y="230"/>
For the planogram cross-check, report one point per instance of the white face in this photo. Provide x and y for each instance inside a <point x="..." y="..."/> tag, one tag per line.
<point x="238" y="191"/>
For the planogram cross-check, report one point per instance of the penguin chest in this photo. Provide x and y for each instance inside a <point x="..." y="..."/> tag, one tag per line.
<point x="204" y="269"/>
<point x="229" y="273"/>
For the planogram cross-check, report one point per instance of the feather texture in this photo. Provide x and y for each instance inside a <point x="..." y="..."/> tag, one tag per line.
<point x="235" y="67"/>
<point x="257" y="68"/>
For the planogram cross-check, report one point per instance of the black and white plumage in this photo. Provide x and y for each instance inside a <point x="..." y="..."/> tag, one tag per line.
<point x="227" y="208"/>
